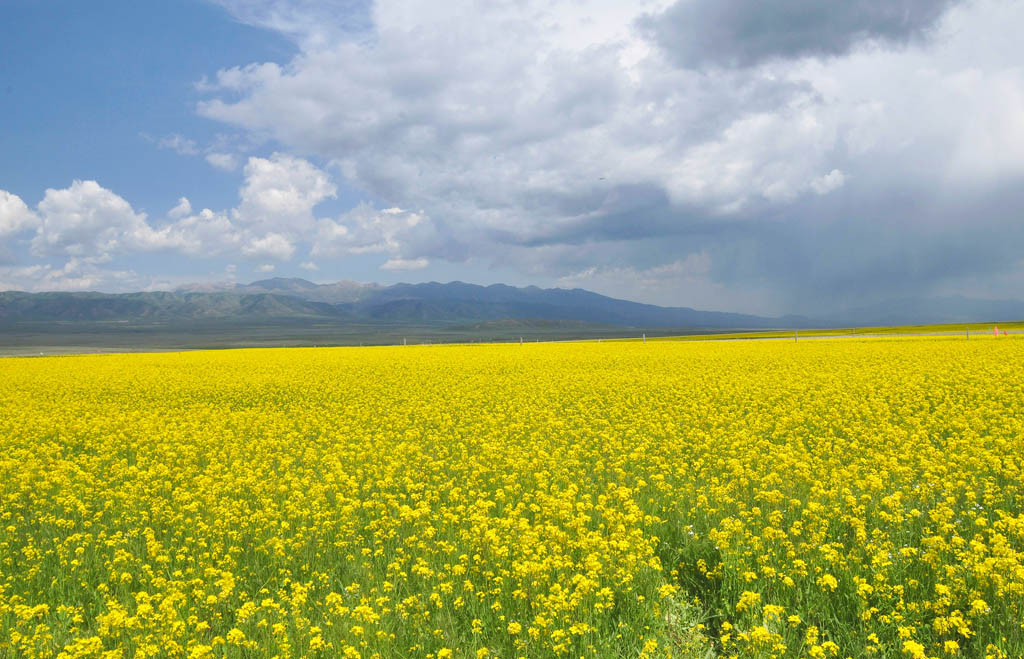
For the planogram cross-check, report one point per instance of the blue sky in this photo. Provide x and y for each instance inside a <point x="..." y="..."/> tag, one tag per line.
<point x="86" y="82"/>
<point x="790" y="157"/>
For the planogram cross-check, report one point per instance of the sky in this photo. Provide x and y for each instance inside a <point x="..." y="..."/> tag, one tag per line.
<point x="793" y="156"/>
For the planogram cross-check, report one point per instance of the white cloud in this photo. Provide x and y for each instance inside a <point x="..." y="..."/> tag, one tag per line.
<point x="21" y="278"/>
<point x="280" y="193"/>
<point x="203" y="234"/>
<point x="546" y="99"/>
<point x="179" y="144"/>
<point x="367" y="230"/>
<point x="274" y="213"/>
<point x="312" y="22"/>
<point x="86" y="221"/>
<point x="15" y="216"/>
<point x="226" y="161"/>
<point x="547" y="110"/>
<point x="266" y="267"/>
<point x="188" y="147"/>
<point x="309" y="265"/>
<point x="75" y="275"/>
<point x="271" y="246"/>
<point x="828" y="182"/>
<point x="405" y="264"/>
<point x="769" y="156"/>
<point x="183" y="208"/>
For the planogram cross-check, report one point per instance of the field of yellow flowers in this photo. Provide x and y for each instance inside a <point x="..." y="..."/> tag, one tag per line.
<point x="832" y="498"/>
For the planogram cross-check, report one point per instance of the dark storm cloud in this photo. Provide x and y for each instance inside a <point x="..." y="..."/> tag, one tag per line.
<point x="834" y="253"/>
<point x="740" y="33"/>
<point x="818" y="255"/>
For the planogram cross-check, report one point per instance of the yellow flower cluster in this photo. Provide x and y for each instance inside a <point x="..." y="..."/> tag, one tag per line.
<point x="755" y="499"/>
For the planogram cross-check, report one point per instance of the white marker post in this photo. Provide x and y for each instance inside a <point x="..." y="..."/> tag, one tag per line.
<point x="645" y="337"/>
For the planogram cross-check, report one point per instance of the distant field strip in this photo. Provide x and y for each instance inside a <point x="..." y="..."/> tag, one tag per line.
<point x="843" y="498"/>
<point x="967" y="330"/>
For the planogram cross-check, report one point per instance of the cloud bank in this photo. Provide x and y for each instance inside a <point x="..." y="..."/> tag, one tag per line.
<point x="78" y="230"/>
<point x="765" y="157"/>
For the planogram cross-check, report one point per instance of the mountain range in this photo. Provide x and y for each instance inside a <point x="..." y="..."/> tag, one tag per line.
<point x="430" y="303"/>
<point x="453" y="304"/>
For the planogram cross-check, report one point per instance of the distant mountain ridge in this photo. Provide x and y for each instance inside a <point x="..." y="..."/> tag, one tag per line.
<point x="461" y="302"/>
<point x="20" y="306"/>
<point x="430" y="303"/>
<point x="335" y="293"/>
<point x="455" y="304"/>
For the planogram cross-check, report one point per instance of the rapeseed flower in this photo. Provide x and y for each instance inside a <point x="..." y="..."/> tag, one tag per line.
<point x="841" y="498"/>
